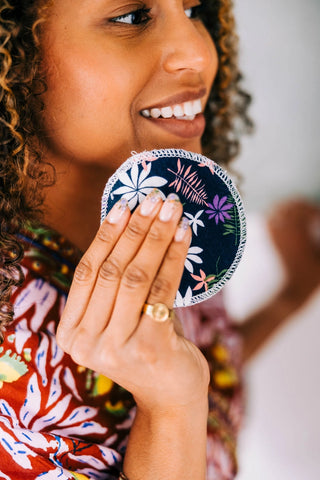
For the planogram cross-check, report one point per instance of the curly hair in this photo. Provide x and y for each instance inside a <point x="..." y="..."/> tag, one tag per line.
<point x="20" y="89"/>
<point x="22" y="169"/>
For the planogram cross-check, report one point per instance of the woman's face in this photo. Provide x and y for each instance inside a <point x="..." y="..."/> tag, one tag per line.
<point x="114" y="66"/>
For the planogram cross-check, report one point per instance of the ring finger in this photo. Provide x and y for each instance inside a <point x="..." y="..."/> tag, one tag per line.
<point x="165" y="274"/>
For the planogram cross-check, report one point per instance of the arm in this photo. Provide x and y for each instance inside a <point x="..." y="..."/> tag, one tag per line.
<point x="295" y="231"/>
<point x="260" y="326"/>
<point x="130" y="262"/>
<point x="171" y="441"/>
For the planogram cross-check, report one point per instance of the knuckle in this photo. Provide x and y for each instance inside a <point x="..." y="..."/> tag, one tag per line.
<point x="109" y="358"/>
<point x="175" y="255"/>
<point x="110" y="269"/>
<point x="63" y="338"/>
<point x="135" y="276"/>
<point x="147" y="354"/>
<point x="160" y="287"/>
<point x="105" y="235"/>
<point x="156" y="234"/>
<point x="81" y="349"/>
<point x="134" y="231"/>
<point x="84" y="271"/>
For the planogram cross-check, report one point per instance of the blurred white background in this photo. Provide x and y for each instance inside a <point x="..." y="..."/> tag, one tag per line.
<point x="279" y="55"/>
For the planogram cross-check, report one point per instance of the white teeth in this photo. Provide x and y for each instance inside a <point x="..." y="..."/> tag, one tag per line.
<point x="197" y="108"/>
<point x="166" y="112"/>
<point x="188" y="108"/>
<point x="178" y="111"/>
<point x="155" y="112"/>
<point x="184" y="111"/>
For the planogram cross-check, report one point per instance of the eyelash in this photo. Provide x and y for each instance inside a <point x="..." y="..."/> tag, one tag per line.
<point x="143" y="15"/>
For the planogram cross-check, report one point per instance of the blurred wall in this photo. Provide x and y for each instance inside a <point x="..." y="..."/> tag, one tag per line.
<point x="280" y="57"/>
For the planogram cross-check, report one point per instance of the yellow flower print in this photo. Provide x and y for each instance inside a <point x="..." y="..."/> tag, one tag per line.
<point x="79" y="476"/>
<point x="116" y="409"/>
<point x="11" y="367"/>
<point x="102" y="385"/>
<point x="27" y="354"/>
<point x="220" y="353"/>
<point x="226" y="378"/>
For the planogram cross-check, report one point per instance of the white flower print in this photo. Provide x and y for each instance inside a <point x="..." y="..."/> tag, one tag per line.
<point x="25" y="301"/>
<point x="55" y="387"/>
<point x="71" y="383"/>
<point x="51" y="401"/>
<point x="5" y="477"/>
<point x="53" y="415"/>
<point x="194" y="221"/>
<point x="32" y="403"/>
<point x="134" y="189"/>
<point x="183" y="301"/>
<point x="85" y="428"/>
<point x="55" y="474"/>
<point x="19" y="453"/>
<point x="192" y="257"/>
<point x="56" y="352"/>
<point x="8" y="413"/>
<point x="41" y="357"/>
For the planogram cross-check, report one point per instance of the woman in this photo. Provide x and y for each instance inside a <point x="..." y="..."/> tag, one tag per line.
<point x="82" y="85"/>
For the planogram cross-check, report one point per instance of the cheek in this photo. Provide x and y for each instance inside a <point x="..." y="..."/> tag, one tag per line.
<point x="88" y="102"/>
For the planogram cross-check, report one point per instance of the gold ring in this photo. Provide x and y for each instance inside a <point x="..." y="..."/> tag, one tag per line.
<point x="158" y="312"/>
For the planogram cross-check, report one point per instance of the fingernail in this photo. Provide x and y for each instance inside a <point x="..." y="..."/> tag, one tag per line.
<point x="117" y="211"/>
<point x="149" y="202"/>
<point x="169" y="207"/>
<point x="182" y="229"/>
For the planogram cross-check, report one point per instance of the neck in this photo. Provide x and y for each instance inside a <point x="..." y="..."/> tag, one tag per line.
<point x="72" y="204"/>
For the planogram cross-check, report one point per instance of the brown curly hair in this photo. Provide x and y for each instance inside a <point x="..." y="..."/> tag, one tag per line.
<point x="22" y="169"/>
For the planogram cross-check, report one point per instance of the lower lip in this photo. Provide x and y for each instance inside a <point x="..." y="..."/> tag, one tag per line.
<point x="181" y="128"/>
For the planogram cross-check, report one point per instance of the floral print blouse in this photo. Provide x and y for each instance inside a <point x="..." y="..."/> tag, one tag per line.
<point x="59" y="420"/>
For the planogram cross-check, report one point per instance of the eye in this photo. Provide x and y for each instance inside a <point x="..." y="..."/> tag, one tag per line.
<point x="193" y="12"/>
<point x="137" y="17"/>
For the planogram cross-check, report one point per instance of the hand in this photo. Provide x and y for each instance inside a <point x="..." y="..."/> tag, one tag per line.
<point x="295" y="230"/>
<point x="135" y="259"/>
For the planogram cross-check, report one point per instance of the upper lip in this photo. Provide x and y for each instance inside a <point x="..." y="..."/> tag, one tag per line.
<point x="179" y="98"/>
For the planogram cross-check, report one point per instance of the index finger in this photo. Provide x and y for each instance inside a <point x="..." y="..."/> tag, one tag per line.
<point x="88" y="268"/>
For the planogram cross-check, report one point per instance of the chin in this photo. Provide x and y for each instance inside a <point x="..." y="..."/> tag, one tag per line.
<point x="192" y="146"/>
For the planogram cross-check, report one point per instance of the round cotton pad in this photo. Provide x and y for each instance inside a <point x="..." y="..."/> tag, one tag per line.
<point x="210" y="201"/>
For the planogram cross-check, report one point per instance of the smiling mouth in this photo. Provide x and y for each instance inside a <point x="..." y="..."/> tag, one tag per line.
<point x="182" y="111"/>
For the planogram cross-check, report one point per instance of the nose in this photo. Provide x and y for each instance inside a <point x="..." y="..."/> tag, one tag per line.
<point x="187" y="45"/>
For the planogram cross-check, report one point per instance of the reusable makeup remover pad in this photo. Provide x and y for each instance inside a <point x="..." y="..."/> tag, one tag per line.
<point x="210" y="201"/>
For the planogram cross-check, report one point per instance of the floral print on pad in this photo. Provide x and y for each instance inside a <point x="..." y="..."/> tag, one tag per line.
<point x="211" y="203"/>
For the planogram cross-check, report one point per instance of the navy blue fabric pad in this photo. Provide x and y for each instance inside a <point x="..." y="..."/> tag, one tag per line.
<point x="210" y="201"/>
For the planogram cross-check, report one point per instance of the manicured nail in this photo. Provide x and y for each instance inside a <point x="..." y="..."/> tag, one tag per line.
<point x="149" y="202"/>
<point x="182" y="229"/>
<point x="169" y="207"/>
<point x="117" y="211"/>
